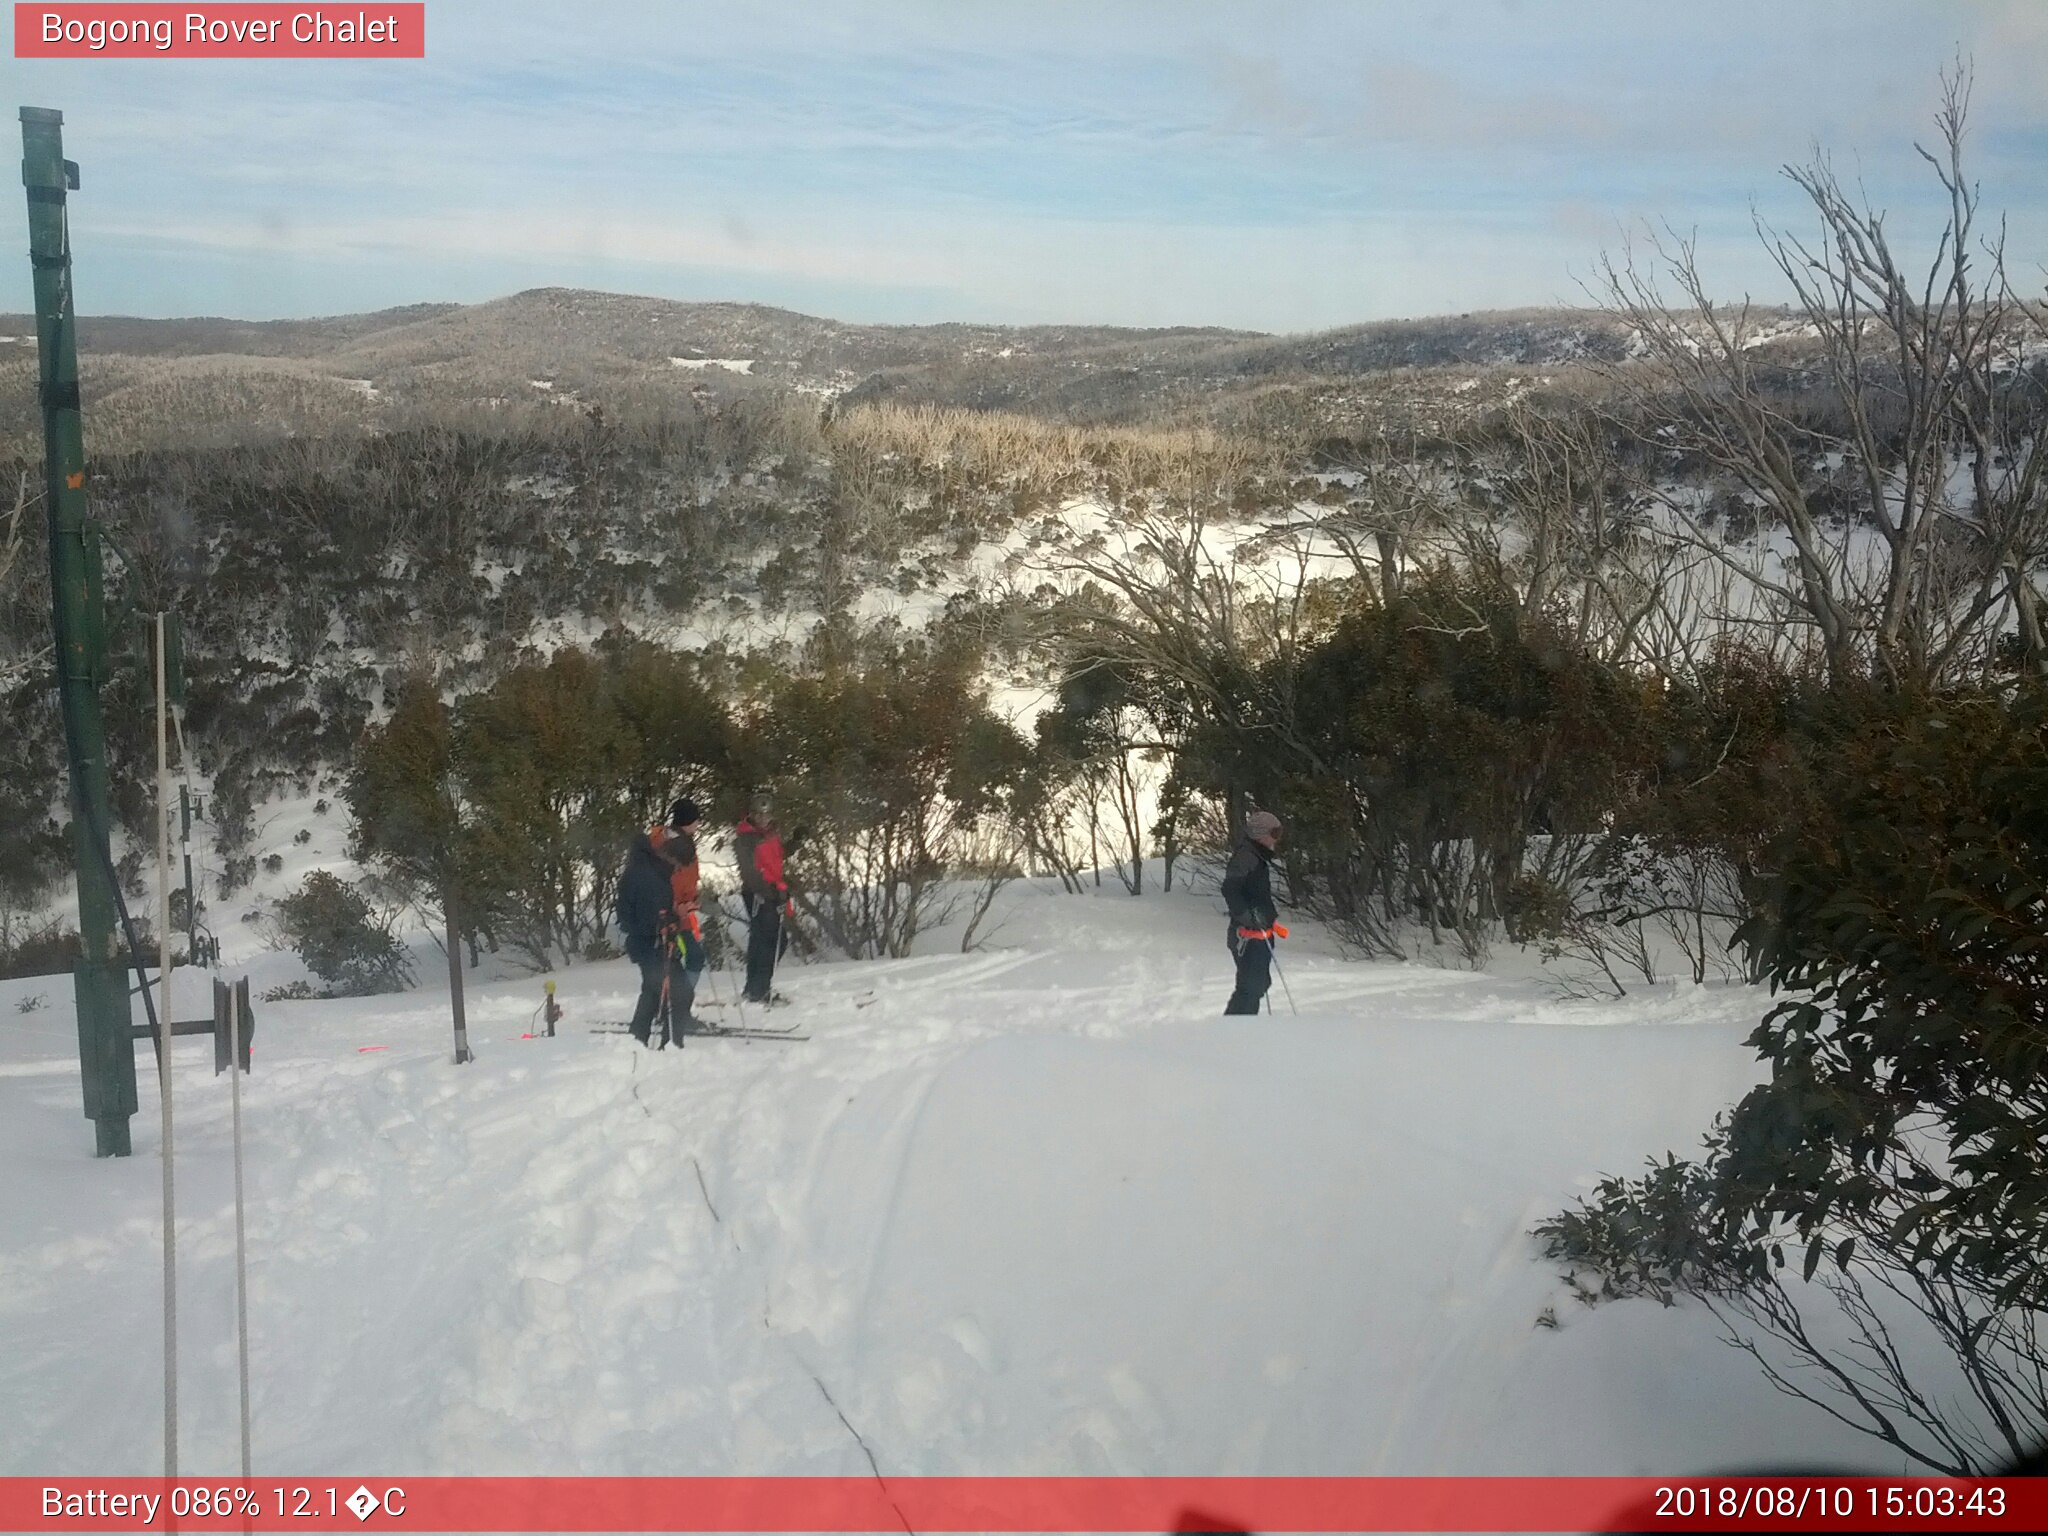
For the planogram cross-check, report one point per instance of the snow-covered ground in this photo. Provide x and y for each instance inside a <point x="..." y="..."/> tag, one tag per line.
<point x="1034" y="1209"/>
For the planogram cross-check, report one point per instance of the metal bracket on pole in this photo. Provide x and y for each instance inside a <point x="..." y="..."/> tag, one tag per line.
<point x="233" y="1025"/>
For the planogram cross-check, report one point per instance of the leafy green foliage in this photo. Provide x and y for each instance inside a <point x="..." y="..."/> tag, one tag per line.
<point x="889" y="770"/>
<point x="1418" y="746"/>
<point x="521" y="799"/>
<point x="538" y="760"/>
<point x="1894" y="1156"/>
<point x="50" y="949"/>
<point x="403" y="798"/>
<point x="35" y="853"/>
<point x="337" y="933"/>
<point x="1650" y="1236"/>
<point x="1911" y="920"/>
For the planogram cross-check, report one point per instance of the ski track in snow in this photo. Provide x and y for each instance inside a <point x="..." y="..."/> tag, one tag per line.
<point x="1031" y="1209"/>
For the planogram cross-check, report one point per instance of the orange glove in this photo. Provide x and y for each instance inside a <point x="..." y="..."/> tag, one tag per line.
<point x="696" y="928"/>
<point x="1279" y="932"/>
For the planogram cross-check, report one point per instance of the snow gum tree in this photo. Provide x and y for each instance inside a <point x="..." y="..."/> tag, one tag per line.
<point x="1914" y="505"/>
<point x="902" y="781"/>
<point x="409" y="820"/>
<point x="1897" y="1149"/>
<point x="336" y="931"/>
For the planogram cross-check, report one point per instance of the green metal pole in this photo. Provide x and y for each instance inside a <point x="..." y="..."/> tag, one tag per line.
<point x="106" y="1050"/>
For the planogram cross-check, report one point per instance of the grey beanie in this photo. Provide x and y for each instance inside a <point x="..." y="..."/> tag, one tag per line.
<point x="1261" y="824"/>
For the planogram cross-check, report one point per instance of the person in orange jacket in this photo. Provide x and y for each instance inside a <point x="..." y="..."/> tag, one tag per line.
<point x="1254" y="920"/>
<point x="764" y="889"/>
<point x="676" y="840"/>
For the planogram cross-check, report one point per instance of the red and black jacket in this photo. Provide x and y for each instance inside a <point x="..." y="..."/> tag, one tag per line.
<point x="760" y="857"/>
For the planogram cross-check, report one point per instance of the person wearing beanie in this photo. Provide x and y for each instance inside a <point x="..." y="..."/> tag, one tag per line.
<point x="764" y="890"/>
<point x="1254" y="920"/>
<point x="646" y="916"/>
<point x="677" y="841"/>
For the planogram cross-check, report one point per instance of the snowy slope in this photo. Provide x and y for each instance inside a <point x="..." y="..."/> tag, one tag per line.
<point x="1032" y="1209"/>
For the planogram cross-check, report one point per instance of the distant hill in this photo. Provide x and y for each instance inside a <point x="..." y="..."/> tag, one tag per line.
<point x="577" y="345"/>
<point x="208" y="334"/>
<point x="568" y="325"/>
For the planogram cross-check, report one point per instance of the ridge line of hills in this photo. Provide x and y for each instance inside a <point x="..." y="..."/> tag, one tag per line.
<point x="312" y="375"/>
<point x="653" y="328"/>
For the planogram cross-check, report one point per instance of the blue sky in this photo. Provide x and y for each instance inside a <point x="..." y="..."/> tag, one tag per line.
<point x="1274" y="166"/>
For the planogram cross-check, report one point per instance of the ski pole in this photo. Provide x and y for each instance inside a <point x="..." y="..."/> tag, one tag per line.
<point x="690" y="928"/>
<point x="668" y="960"/>
<point x="739" y="998"/>
<point x="1273" y="949"/>
<point x="671" y="942"/>
<point x="717" y="993"/>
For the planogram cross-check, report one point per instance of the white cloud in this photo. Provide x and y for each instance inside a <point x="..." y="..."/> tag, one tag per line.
<point x="1168" y="163"/>
<point x="1026" y="270"/>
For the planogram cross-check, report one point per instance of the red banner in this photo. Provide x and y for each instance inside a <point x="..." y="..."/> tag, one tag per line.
<point x="100" y="31"/>
<point x="936" y="1504"/>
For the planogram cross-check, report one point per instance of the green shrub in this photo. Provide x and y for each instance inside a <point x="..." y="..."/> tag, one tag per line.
<point x="333" y="928"/>
<point x="47" y="951"/>
<point x="1893" y="1158"/>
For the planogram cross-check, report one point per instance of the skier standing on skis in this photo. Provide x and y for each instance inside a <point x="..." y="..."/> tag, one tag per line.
<point x="676" y="840"/>
<point x="646" y="911"/>
<point x="1254" y="920"/>
<point x="764" y="891"/>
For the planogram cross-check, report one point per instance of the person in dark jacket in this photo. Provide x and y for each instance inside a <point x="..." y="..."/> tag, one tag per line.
<point x="646" y="910"/>
<point x="1254" y="920"/>
<point x="764" y="891"/>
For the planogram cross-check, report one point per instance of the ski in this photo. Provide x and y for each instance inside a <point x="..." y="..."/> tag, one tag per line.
<point x="715" y="1032"/>
<point x="761" y="1029"/>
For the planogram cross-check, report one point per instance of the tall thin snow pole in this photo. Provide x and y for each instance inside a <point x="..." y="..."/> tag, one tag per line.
<point x="163" y="1050"/>
<point x="241" y="1238"/>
